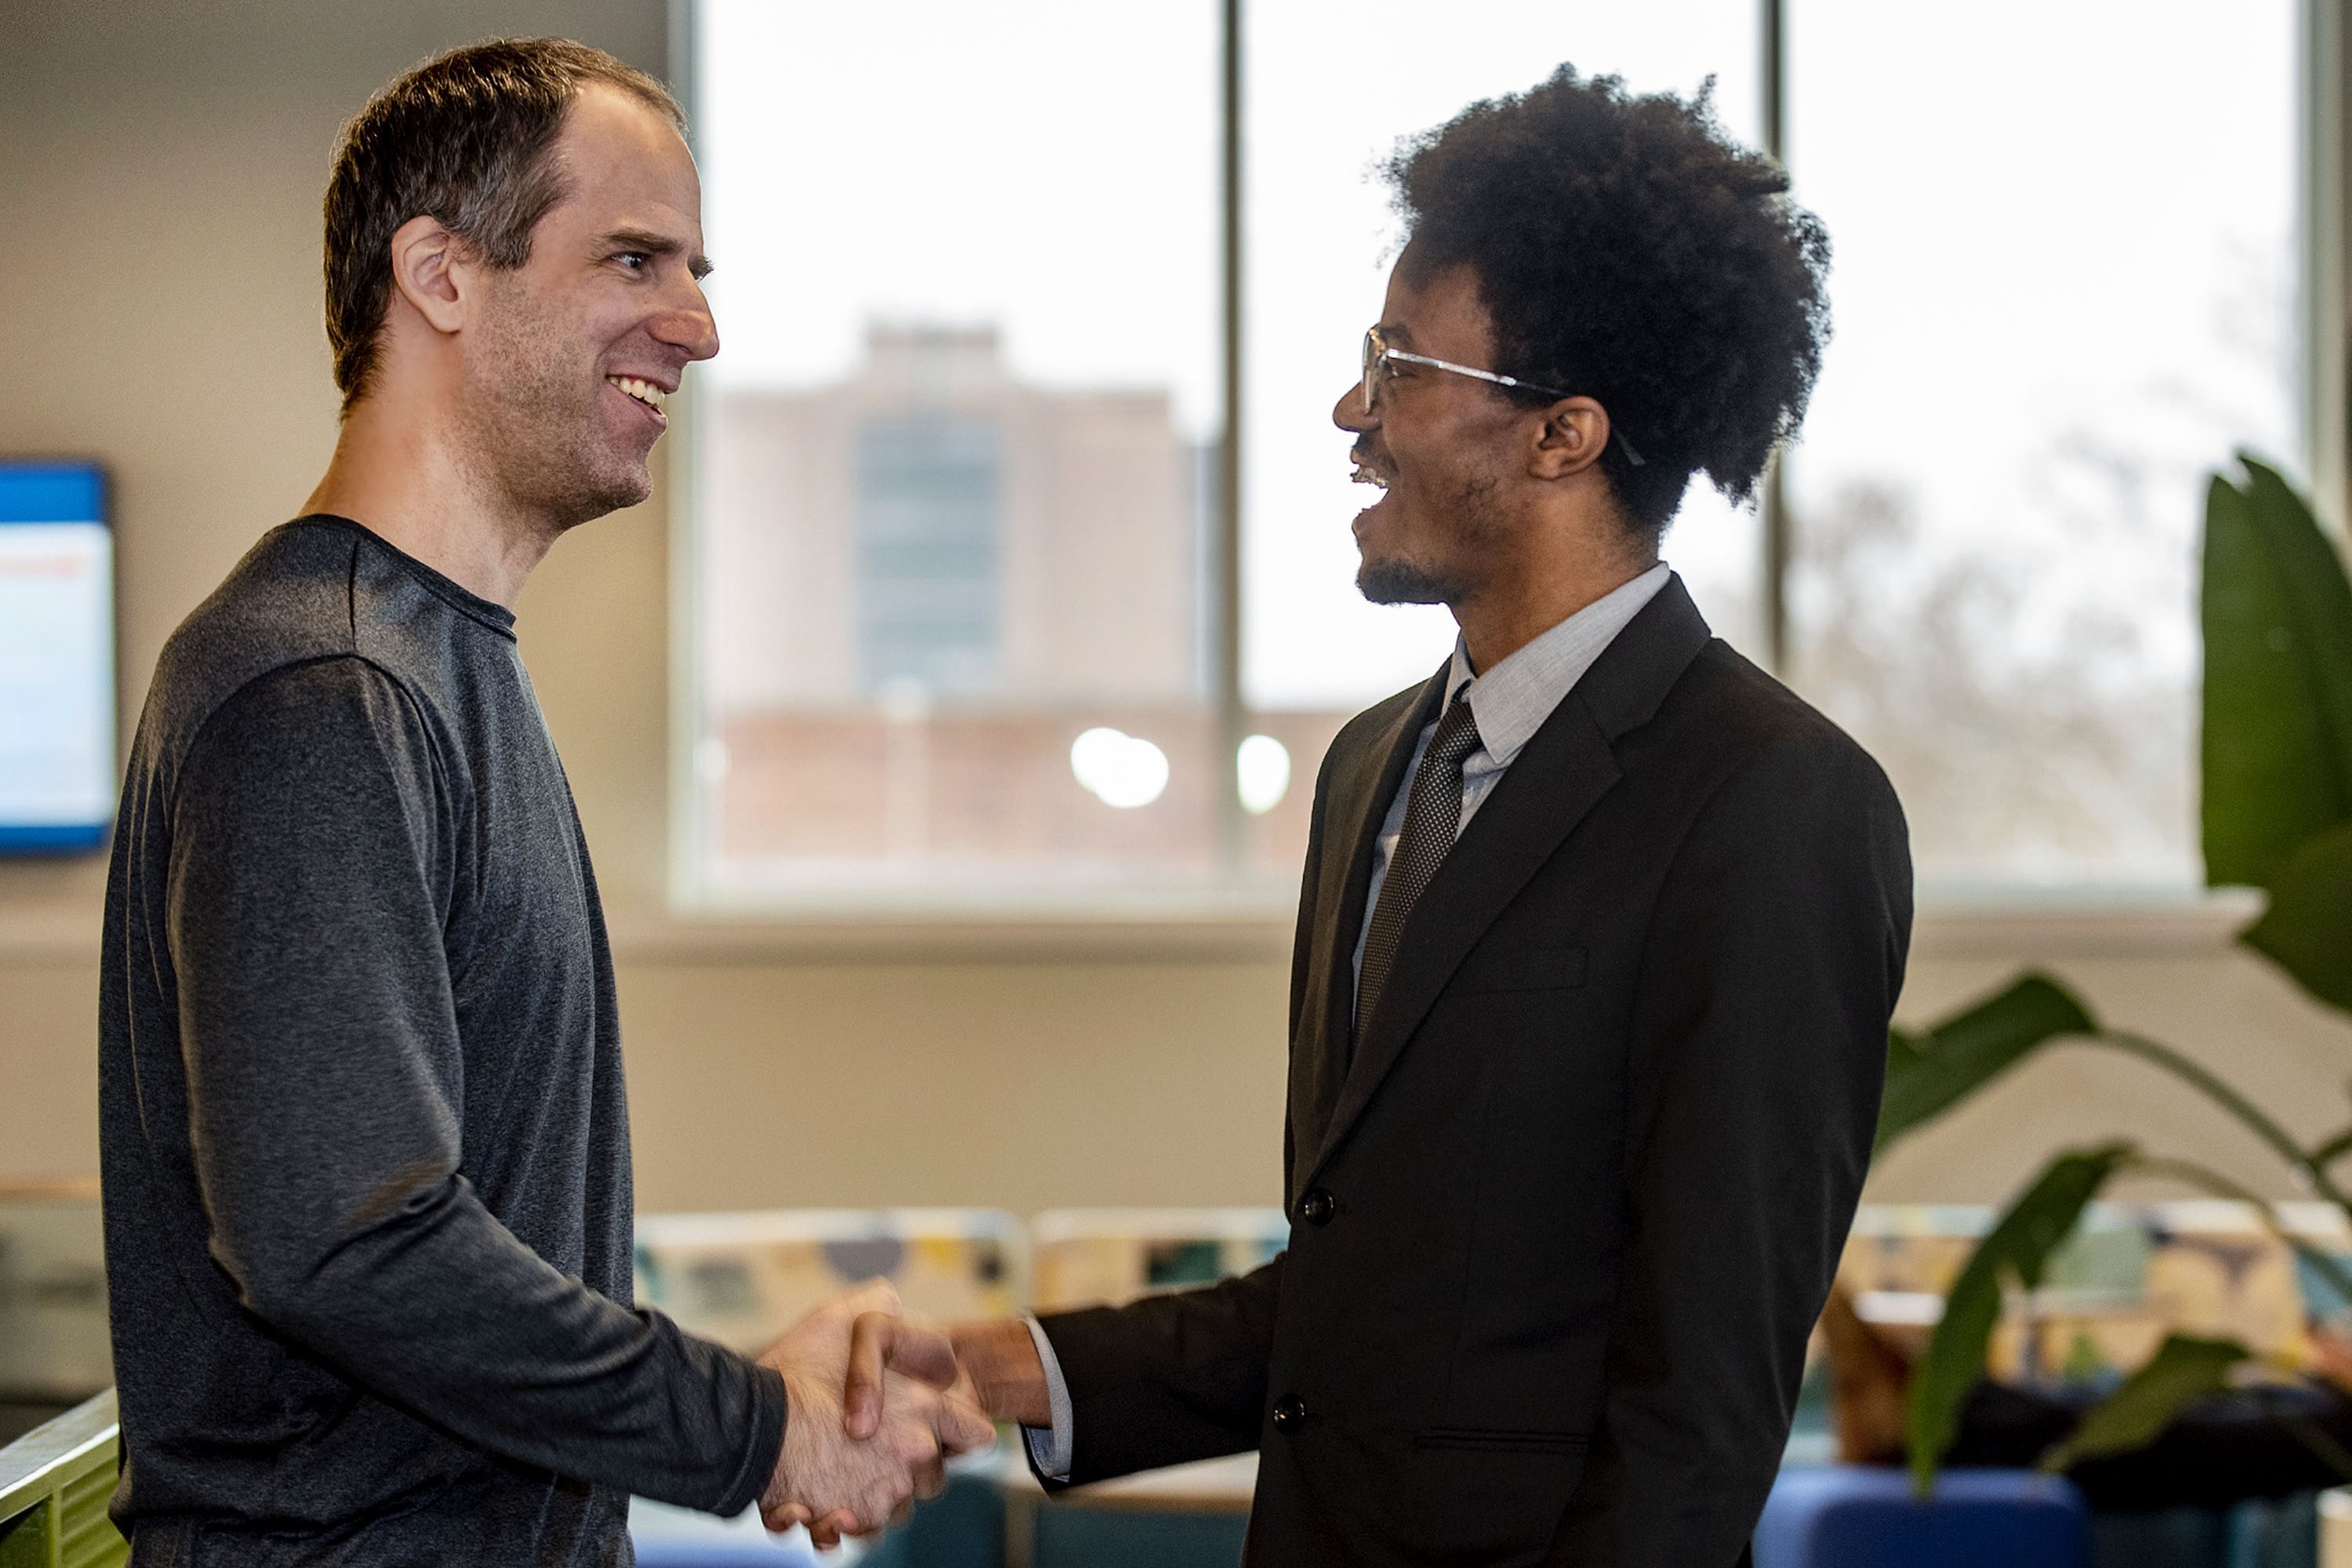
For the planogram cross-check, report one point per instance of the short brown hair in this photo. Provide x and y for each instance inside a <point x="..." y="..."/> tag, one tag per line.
<point x="467" y="139"/>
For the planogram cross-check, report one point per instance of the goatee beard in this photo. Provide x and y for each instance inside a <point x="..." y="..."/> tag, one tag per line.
<point x="1403" y="583"/>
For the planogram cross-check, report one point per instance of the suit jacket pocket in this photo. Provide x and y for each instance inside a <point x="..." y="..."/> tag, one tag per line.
<point x="1479" y="1495"/>
<point x="1487" y="1441"/>
<point x="1520" y="969"/>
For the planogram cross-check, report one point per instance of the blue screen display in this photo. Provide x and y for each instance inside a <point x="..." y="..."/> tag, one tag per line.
<point x="57" y="658"/>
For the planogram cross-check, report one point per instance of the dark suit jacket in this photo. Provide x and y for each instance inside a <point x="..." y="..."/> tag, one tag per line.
<point x="1564" y="1216"/>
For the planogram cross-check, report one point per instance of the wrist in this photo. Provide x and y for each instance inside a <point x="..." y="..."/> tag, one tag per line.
<point x="1006" y="1372"/>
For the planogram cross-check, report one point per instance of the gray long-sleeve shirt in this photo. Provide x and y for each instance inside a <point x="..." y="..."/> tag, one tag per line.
<point x="365" y="1143"/>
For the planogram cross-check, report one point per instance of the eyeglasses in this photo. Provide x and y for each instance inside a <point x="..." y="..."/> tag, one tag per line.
<point x="1378" y="354"/>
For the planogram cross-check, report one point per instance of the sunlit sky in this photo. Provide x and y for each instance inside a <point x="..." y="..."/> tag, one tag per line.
<point x="2053" y="220"/>
<point x="2065" y="240"/>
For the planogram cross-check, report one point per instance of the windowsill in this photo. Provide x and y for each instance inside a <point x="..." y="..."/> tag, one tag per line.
<point x="2029" y="926"/>
<point x="2024" y="928"/>
<point x="1146" y="926"/>
<point x="2034" y="925"/>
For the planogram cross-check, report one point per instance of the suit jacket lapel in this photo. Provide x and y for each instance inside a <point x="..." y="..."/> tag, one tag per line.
<point x="1566" y="768"/>
<point x="1355" y="821"/>
<point x="1548" y="789"/>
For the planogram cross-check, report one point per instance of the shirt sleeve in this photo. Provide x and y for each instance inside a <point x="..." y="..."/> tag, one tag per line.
<point x="312" y="832"/>
<point x="1049" y="1446"/>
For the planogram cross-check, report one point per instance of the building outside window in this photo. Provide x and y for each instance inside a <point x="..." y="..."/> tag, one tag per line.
<point x="930" y="508"/>
<point x="953" y="472"/>
<point x="937" y="577"/>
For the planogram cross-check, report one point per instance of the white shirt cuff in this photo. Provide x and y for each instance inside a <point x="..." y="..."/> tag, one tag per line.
<point x="1049" y="1447"/>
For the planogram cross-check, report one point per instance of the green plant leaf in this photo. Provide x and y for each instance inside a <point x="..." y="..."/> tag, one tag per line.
<point x="2276" y="742"/>
<point x="2307" y="929"/>
<point x="1928" y="1073"/>
<point x="2312" y="572"/>
<point x="2018" y="1247"/>
<point x="2183" y="1370"/>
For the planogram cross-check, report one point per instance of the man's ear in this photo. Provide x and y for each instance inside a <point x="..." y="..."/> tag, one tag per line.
<point x="430" y="270"/>
<point x="1570" y="439"/>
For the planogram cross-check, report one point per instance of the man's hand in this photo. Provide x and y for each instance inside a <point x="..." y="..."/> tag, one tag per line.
<point x="882" y="1345"/>
<point x="837" y="1482"/>
<point x="1001" y="1359"/>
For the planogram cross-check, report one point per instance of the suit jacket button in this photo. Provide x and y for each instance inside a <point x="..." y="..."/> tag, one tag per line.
<point x="1317" y="1206"/>
<point x="1288" y="1415"/>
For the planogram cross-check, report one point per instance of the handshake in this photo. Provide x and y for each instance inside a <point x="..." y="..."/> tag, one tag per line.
<point x="877" y="1404"/>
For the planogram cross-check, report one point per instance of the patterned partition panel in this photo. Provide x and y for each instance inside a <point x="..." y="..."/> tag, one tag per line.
<point x="1088" y="1256"/>
<point x="2132" y="1274"/>
<point x="743" y="1278"/>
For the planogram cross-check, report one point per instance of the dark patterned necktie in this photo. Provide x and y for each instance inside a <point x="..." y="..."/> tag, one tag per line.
<point x="1432" y="820"/>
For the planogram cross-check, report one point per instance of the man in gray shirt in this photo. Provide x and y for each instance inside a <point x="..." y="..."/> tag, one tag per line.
<point x="365" y="1134"/>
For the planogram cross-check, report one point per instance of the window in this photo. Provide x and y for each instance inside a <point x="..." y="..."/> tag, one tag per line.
<point x="970" y="627"/>
<point x="2063" y="296"/>
<point x="952" y="565"/>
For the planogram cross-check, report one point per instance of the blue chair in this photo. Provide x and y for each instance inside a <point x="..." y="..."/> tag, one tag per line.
<point x="1855" y="1516"/>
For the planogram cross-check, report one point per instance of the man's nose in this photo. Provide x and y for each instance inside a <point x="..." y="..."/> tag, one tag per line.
<point x="689" y="326"/>
<point x="1349" y="413"/>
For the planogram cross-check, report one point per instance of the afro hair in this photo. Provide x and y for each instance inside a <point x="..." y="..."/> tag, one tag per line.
<point x="1627" y="249"/>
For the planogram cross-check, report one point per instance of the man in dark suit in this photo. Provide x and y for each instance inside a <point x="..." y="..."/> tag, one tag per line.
<point x="1599" y="932"/>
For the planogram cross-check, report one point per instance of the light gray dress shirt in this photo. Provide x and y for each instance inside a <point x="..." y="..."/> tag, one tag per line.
<point x="1510" y="703"/>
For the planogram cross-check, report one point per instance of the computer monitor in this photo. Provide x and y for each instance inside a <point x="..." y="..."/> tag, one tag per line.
<point x="57" y="718"/>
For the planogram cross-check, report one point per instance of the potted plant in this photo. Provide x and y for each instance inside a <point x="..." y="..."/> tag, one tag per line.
<point x="2276" y="814"/>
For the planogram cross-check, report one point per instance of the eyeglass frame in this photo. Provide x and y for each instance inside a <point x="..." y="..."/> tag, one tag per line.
<point x="1377" y="352"/>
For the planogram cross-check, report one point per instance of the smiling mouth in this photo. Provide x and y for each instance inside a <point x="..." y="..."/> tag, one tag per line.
<point x="644" y="392"/>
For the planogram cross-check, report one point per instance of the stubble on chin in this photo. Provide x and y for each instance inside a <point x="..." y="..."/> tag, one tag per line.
<point x="1477" y="529"/>
<point x="536" y="431"/>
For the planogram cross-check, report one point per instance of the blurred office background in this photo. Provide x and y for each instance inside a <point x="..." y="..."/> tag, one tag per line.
<point x="880" y="939"/>
<point x="944" y="727"/>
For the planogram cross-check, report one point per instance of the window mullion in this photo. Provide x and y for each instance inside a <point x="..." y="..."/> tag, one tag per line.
<point x="1773" y="503"/>
<point x="2320" y="135"/>
<point x="1232" y="718"/>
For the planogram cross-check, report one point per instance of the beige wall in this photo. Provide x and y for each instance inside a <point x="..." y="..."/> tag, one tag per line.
<point x="159" y="309"/>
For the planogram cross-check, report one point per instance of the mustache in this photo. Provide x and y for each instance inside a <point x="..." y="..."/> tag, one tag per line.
<point x="1364" y="453"/>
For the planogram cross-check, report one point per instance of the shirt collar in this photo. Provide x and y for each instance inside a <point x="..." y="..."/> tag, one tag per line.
<point x="1512" y="701"/>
